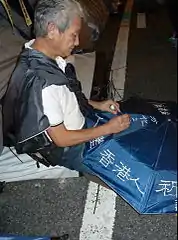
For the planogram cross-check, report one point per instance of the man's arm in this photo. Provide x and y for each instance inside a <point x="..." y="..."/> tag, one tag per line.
<point x="65" y="138"/>
<point x="94" y="104"/>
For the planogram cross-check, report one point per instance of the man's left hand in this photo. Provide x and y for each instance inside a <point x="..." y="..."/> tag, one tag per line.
<point x="109" y="106"/>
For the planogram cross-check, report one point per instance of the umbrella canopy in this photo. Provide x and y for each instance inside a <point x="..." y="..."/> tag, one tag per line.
<point x="8" y="237"/>
<point x="140" y="163"/>
<point x="15" y="237"/>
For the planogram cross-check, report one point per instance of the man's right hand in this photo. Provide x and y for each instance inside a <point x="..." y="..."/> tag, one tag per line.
<point x="118" y="124"/>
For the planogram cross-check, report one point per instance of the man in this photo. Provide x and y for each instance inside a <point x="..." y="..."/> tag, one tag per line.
<point x="44" y="108"/>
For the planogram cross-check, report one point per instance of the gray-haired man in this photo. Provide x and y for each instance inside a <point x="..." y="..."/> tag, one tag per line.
<point x="44" y="109"/>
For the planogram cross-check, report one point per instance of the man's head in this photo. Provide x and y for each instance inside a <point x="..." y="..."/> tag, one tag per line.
<point x="59" y="23"/>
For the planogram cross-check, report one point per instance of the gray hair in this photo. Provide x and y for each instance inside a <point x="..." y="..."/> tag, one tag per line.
<point x="59" y="12"/>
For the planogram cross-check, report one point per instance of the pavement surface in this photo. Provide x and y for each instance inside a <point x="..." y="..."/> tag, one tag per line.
<point x="54" y="207"/>
<point x="152" y="62"/>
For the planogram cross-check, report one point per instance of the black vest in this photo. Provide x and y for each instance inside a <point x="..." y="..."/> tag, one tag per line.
<point x="25" y="123"/>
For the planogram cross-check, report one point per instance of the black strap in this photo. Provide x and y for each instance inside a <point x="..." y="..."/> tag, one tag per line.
<point x="75" y="86"/>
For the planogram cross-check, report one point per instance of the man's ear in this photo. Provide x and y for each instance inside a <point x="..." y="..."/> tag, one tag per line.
<point x="52" y="30"/>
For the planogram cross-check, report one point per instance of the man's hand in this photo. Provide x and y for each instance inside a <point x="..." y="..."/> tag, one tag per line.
<point x="119" y="123"/>
<point x="106" y="106"/>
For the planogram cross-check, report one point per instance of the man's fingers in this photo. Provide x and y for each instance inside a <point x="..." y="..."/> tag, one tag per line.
<point x="118" y="107"/>
<point x="124" y="120"/>
<point x="125" y="117"/>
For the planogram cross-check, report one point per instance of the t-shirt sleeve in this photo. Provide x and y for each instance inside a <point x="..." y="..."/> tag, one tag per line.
<point x="52" y="105"/>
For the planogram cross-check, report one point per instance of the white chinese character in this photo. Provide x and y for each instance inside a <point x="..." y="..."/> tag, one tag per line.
<point x="176" y="205"/>
<point x="134" y="119"/>
<point x="163" y="110"/>
<point x="98" y="119"/>
<point x="107" y="158"/>
<point x="96" y="141"/>
<point x="144" y="120"/>
<point x="136" y="183"/>
<point x="169" y="188"/>
<point x="157" y="105"/>
<point x="153" y="119"/>
<point x="123" y="172"/>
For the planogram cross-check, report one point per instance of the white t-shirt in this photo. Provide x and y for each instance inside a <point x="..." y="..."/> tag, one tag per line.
<point x="60" y="104"/>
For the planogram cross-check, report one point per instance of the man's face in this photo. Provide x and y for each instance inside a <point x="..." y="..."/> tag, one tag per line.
<point x="63" y="43"/>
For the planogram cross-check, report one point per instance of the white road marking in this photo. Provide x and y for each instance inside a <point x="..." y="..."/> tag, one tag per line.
<point x="99" y="214"/>
<point x="141" y="20"/>
<point x="118" y="68"/>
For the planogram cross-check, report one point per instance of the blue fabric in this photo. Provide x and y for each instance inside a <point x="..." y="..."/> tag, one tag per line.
<point x="73" y="159"/>
<point x="12" y="237"/>
<point x="140" y="163"/>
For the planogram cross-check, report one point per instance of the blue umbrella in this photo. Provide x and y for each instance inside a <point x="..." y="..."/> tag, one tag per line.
<point x="140" y="163"/>
<point x="16" y="237"/>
